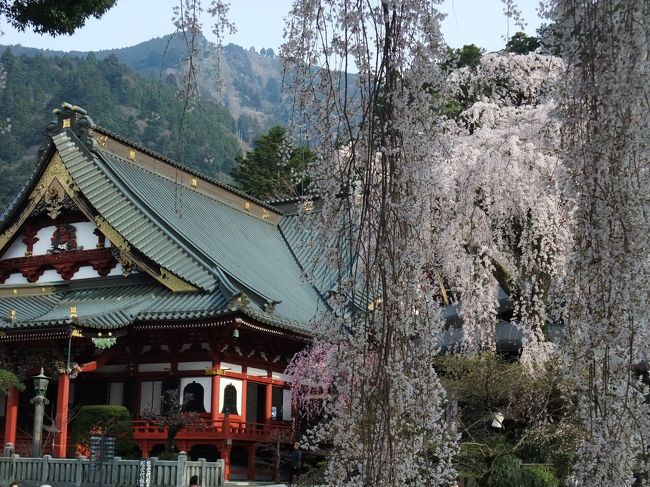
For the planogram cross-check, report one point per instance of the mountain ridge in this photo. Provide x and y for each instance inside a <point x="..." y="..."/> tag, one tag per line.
<point x="250" y="84"/>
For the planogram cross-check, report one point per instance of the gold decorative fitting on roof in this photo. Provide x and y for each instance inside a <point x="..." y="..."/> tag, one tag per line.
<point x="73" y="311"/>
<point x="77" y="333"/>
<point x="12" y="314"/>
<point x="247" y="206"/>
<point x="194" y="182"/>
<point x="103" y="141"/>
<point x="266" y="215"/>
<point x="66" y="123"/>
<point x="308" y="206"/>
<point x="131" y="155"/>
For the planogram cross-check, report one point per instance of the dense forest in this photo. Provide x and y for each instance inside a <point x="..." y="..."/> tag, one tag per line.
<point x="144" y="109"/>
<point x="246" y="81"/>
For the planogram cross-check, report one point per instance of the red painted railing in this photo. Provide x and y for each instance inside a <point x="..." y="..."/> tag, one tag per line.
<point x="216" y="430"/>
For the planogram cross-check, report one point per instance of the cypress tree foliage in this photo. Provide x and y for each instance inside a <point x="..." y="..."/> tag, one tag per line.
<point x="274" y="168"/>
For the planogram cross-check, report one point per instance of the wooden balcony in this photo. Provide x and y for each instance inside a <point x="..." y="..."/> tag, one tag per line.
<point x="222" y="429"/>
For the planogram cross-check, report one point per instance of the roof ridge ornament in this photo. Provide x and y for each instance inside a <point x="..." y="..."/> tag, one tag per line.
<point x="74" y="118"/>
<point x="239" y="300"/>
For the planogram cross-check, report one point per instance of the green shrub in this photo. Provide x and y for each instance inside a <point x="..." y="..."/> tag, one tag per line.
<point x="8" y="380"/>
<point x="506" y="472"/>
<point x="104" y="420"/>
<point x="540" y="476"/>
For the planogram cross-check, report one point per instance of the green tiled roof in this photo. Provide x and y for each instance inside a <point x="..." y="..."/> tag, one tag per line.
<point x="128" y="215"/>
<point x="115" y="302"/>
<point x="220" y="249"/>
<point x="252" y="253"/>
<point x="116" y="305"/>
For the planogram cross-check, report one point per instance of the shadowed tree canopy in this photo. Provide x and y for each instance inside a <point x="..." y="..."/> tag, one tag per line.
<point x="274" y="168"/>
<point x="54" y="17"/>
<point x="469" y="55"/>
<point x="520" y="43"/>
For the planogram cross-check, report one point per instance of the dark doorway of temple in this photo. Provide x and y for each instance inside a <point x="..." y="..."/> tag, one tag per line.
<point x="193" y="398"/>
<point x="255" y="402"/>
<point x="209" y="452"/>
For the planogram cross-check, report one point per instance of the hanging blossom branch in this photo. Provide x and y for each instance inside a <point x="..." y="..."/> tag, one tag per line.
<point x="606" y="144"/>
<point x="386" y="420"/>
<point x="187" y="20"/>
<point x="503" y="219"/>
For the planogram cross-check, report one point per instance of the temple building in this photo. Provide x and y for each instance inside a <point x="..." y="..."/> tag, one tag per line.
<point x="127" y="275"/>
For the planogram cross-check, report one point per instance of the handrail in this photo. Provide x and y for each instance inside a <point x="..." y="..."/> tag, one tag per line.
<point x="221" y="428"/>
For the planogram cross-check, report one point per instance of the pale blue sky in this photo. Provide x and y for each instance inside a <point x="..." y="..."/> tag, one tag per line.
<point x="260" y="24"/>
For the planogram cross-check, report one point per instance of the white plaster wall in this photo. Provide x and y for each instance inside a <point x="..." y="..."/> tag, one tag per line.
<point x="280" y="376"/>
<point x="85" y="236"/>
<point x="16" y="278"/>
<point x="161" y="367"/>
<point x="50" y="275"/>
<point x="16" y="249"/>
<point x="116" y="271"/>
<point x="44" y="242"/>
<point x="223" y="382"/>
<point x="231" y="367"/>
<point x="206" y="382"/>
<point x="84" y="272"/>
<point x="195" y="365"/>
<point x="252" y="371"/>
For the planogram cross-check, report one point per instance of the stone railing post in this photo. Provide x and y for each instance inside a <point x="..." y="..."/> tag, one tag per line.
<point x="115" y="470"/>
<point x="13" y="465"/>
<point x="46" y="469"/>
<point x="202" y="469"/>
<point x="180" y="469"/>
<point x="79" y="472"/>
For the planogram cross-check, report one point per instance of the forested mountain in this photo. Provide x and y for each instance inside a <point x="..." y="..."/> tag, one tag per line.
<point x="249" y="83"/>
<point x="141" y="108"/>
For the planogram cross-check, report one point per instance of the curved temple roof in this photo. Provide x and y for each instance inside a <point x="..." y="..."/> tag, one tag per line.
<point x="218" y="243"/>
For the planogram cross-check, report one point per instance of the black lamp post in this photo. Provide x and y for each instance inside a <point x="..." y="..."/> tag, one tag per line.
<point x="39" y="401"/>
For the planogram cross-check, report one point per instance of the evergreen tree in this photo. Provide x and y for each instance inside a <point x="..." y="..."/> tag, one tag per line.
<point x="274" y="168"/>
<point x="520" y="43"/>
<point x="52" y="17"/>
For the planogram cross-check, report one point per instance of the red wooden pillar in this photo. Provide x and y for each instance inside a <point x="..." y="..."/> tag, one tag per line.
<point x="11" y="416"/>
<point x="268" y="404"/>
<point x="214" y="408"/>
<point x="244" y="392"/>
<point x="252" y="449"/>
<point x="226" y="460"/>
<point x="62" y="400"/>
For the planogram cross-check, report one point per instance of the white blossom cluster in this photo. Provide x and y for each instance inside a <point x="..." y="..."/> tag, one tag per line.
<point x="606" y="151"/>
<point x="385" y="415"/>
<point x="503" y="221"/>
<point x="539" y="188"/>
<point x="507" y="79"/>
